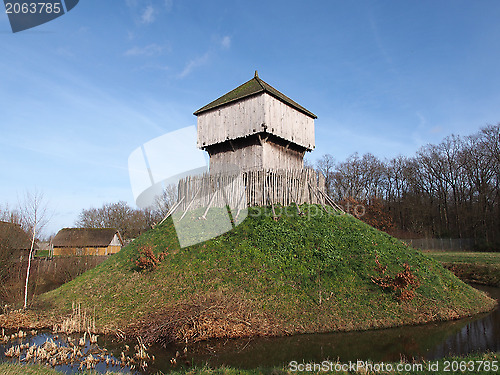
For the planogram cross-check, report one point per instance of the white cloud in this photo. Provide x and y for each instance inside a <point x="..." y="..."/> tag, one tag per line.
<point x="148" y="16"/>
<point x="226" y="42"/>
<point x="199" y="61"/>
<point x="149" y="50"/>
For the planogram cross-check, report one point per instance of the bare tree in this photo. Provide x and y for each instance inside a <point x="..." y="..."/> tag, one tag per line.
<point x="308" y="164"/>
<point x="326" y="165"/>
<point x="10" y="216"/>
<point x="165" y="200"/>
<point x="34" y="215"/>
<point x="12" y="238"/>
<point x="359" y="177"/>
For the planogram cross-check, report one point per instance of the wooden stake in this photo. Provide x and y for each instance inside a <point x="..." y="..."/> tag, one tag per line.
<point x="171" y="211"/>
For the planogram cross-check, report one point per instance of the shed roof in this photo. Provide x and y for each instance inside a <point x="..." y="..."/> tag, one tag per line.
<point x="253" y="87"/>
<point x="85" y="237"/>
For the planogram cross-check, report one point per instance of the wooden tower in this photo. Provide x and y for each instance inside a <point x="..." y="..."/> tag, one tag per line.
<point x="255" y="127"/>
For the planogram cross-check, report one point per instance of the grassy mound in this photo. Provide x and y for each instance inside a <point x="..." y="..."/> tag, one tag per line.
<point x="309" y="273"/>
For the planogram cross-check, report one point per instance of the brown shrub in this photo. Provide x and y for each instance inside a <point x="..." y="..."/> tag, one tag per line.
<point x="403" y="284"/>
<point x="148" y="261"/>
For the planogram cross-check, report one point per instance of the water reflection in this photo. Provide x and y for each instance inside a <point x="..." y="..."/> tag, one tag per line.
<point x="480" y="334"/>
<point x="63" y="341"/>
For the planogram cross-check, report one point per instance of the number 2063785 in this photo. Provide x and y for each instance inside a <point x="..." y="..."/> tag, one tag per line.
<point x="33" y="8"/>
<point x="462" y="366"/>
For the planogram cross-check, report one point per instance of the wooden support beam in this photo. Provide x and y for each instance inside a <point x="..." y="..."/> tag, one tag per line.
<point x="204" y="216"/>
<point x="227" y="204"/>
<point x="313" y="188"/>
<point x="190" y="203"/>
<point x="275" y="218"/>
<point x="332" y="203"/>
<point x="294" y="200"/>
<point x="262" y="139"/>
<point x="171" y="211"/>
<point x="238" y="205"/>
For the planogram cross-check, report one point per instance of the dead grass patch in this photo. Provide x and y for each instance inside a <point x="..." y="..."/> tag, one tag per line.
<point x="207" y="316"/>
<point x="26" y="319"/>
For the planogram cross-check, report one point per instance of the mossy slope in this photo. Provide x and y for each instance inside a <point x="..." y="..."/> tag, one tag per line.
<point x="309" y="273"/>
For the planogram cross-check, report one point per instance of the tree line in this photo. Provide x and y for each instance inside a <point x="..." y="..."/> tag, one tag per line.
<point x="450" y="189"/>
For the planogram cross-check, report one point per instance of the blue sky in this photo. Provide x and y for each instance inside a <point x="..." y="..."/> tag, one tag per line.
<point x="80" y="93"/>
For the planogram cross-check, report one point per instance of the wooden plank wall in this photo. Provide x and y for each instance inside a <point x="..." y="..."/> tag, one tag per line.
<point x="288" y="123"/>
<point x="280" y="157"/>
<point x="86" y="251"/>
<point x="247" y="117"/>
<point x="245" y="156"/>
<point x="256" y="187"/>
<point x="233" y="121"/>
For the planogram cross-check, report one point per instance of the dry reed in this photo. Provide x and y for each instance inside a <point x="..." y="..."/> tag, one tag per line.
<point x="78" y="321"/>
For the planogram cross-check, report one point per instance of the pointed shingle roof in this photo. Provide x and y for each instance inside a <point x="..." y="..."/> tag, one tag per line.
<point x="253" y="87"/>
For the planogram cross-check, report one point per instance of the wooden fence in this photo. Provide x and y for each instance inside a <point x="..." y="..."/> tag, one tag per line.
<point x="252" y="188"/>
<point x="442" y="244"/>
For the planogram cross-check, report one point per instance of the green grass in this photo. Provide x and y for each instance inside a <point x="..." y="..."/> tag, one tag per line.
<point x="42" y="253"/>
<point x="19" y="369"/>
<point x="483" y="268"/>
<point x="491" y="259"/>
<point x="491" y="358"/>
<point x="310" y="273"/>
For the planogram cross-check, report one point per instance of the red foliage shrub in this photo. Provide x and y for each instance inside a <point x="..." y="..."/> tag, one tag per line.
<point x="403" y="284"/>
<point x="148" y="261"/>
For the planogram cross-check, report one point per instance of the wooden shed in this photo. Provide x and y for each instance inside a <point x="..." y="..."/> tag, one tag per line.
<point x="255" y="127"/>
<point x="87" y="241"/>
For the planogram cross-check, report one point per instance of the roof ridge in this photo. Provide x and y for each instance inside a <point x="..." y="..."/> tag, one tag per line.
<point x="252" y="87"/>
<point x="260" y="82"/>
